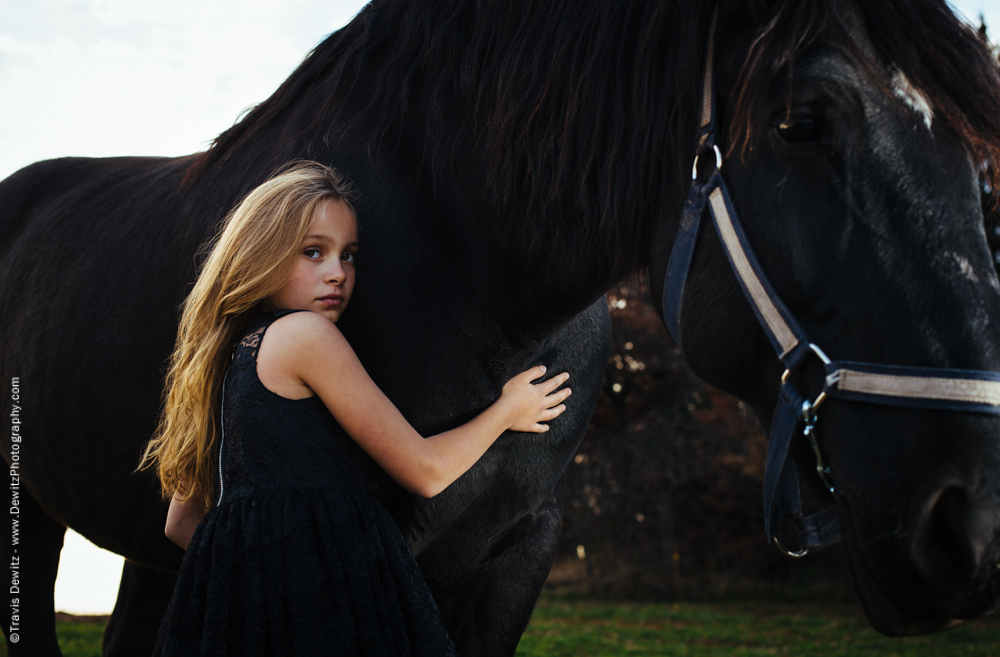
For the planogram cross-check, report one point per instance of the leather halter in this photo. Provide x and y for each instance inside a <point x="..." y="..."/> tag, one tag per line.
<point x="891" y="385"/>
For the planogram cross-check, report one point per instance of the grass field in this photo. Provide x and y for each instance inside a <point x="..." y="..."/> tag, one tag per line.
<point x="585" y="628"/>
<point x="596" y="628"/>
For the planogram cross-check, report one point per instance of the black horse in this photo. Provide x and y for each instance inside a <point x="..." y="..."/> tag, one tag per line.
<point x="515" y="160"/>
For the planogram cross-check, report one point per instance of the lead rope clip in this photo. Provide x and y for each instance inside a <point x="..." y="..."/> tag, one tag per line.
<point x="809" y="431"/>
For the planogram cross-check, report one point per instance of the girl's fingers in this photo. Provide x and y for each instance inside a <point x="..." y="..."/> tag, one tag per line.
<point x="538" y="428"/>
<point x="556" y="397"/>
<point x="537" y="372"/>
<point x="548" y="386"/>
<point x="559" y="395"/>
<point x="550" y="413"/>
<point x="533" y="374"/>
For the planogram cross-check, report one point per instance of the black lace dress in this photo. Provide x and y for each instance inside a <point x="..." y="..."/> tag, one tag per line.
<point x="296" y="558"/>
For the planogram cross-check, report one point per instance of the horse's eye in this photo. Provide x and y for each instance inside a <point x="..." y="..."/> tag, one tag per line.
<point x="798" y="129"/>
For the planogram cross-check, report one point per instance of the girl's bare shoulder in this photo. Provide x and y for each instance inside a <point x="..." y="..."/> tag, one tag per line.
<point x="295" y="345"/>
<point x="304" y="333"/>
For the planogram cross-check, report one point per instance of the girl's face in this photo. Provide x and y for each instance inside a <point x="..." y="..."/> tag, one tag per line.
<point x="322" y="277"/>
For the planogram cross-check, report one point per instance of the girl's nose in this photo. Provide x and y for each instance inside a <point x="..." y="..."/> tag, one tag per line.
<point x="336" y="273"/>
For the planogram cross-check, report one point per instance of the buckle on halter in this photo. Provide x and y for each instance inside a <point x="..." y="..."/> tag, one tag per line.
<point x="821" y="397"/>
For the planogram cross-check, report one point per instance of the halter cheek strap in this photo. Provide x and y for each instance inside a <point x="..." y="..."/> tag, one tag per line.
<point x="890" y="385"/>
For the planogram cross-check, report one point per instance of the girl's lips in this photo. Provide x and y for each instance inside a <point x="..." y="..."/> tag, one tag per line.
<point x="332" y="300"/>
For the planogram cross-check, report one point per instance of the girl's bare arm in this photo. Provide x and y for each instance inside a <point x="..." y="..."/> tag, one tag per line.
<point x="183" y="517"/>
<point x="309" y="348"/>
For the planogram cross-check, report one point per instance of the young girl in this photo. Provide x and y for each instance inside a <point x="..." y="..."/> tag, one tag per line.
<point x="267" y="411"/>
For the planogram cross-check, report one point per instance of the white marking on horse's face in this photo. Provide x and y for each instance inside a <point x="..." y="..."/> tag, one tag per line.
<point x="913" y="97"/>
<point x="966" y="267"/>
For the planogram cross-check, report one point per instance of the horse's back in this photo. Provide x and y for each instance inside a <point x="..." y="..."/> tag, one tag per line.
<point x="94" y="258"/>
<point x="28" y="190"/>
<point x="39" y="190"/>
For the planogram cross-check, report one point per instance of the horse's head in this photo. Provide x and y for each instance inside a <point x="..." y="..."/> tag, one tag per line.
<point x="855" y="176"/>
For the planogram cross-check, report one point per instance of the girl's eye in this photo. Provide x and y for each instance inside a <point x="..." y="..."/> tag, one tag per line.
<point x="312" y="252"/>
<point x="349" y="257"/>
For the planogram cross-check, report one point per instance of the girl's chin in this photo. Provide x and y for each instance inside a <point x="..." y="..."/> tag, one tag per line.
<point x="333" y="314"/>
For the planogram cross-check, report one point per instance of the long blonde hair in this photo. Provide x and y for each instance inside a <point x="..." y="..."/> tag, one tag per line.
<point x="251" y="258"/>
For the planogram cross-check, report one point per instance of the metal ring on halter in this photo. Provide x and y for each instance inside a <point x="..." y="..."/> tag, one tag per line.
<point x="826" y="361"/>
<point x="798" y="554"/>
<point x="718" y="162"/>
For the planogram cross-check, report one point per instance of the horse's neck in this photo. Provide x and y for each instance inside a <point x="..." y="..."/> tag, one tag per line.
<point x="583" y="159"/>
<point x="538" y="279"/>
<point x="563" y="253"/>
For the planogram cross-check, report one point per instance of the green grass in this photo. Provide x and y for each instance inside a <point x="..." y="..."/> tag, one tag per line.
<point x="80" y="639"/>
<point x="76" y="639"/>
<point x="744" y="629"/>
<point x="582" y="628"/>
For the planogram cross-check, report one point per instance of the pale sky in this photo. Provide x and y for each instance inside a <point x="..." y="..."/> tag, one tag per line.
<point x="128" y="77"/>
<point x="135" y="77"/>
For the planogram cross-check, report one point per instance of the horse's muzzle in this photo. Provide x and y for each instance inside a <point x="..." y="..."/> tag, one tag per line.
<point x="942" y="573"/>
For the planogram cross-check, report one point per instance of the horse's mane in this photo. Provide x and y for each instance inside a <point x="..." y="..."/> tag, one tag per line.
<point x="559" y="92"/>
<point x="527" y="84"/>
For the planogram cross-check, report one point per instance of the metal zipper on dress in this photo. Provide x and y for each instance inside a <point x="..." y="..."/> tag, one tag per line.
<point x="222" y="427"/>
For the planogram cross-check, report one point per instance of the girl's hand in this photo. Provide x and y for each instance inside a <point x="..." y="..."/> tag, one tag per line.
<point x="530" y="404"/>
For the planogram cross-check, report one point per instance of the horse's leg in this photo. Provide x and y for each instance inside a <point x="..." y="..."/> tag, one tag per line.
<point x="142" y="598"/>
<point x="505" y="587"/>
<point x="29" y="624"/>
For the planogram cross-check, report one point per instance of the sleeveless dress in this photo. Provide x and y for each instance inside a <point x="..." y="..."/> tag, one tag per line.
<point x="295" y="558"/>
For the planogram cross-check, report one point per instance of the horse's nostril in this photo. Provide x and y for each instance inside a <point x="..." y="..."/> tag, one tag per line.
<point x="952" y="539"/>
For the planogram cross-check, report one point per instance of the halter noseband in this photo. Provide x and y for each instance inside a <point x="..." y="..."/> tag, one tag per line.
<point x="891" y="385"/>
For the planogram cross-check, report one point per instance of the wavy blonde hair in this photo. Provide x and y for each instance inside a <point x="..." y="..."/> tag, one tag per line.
<point x="250" y="259"/>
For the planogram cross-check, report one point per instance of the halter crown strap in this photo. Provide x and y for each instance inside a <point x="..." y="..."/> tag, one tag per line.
<point x="687" y="232"/>
<point x="891" y="385"/>
<point x="708" y="87"/>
